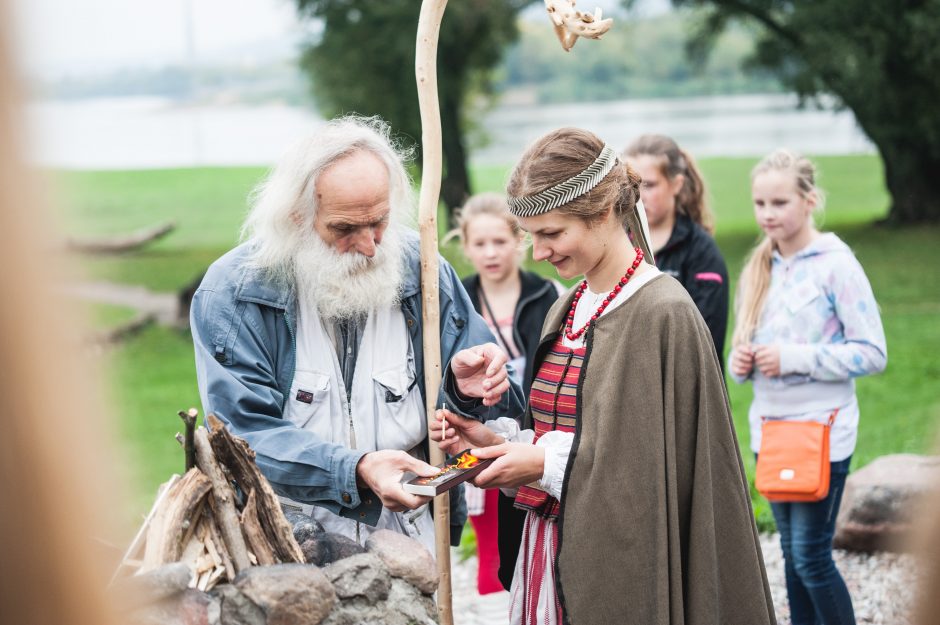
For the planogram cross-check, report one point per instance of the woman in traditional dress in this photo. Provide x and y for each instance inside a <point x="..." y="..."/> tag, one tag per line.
<point x="638" y="507"/>
<point x="513" y="302"/>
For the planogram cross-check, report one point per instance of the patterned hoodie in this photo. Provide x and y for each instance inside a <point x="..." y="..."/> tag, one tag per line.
<point x="821" y="311"/>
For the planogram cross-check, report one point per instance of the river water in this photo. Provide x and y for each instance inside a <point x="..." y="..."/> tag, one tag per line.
<point x="146" y="132"/>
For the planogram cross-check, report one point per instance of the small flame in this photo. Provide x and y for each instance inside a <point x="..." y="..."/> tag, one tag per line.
<point x="465" y="461"/>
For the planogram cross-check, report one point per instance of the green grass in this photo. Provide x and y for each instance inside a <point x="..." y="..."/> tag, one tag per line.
<point x="107" y="315"/>
<point x="152" y="376"/>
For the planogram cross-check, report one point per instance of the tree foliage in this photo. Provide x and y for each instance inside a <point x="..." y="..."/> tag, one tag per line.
<point x="363" y="62"/>
<point x="639" y="58"/>
<point x="880" y="58"/>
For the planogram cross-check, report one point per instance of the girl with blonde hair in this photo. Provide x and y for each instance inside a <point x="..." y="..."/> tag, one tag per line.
<point x="807" y="326"/>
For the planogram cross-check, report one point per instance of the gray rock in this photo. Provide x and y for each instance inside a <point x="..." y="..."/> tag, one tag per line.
<point x="405" y="558"/>
<point x="328" y="548"/>
<point x="881" y="500"/>
<point x="237" y="609"/>
<point x="361" y="575"/>
<point x="305" y="527"/>
<point x="293" y="516"/>
<point x="407" y="601"/>
<point x="288" y="594"/>
<point x="405" y="606"/>
<point x="151" y="587"/>
<point x="360" y="613"/>
<point x="190" y="607"/>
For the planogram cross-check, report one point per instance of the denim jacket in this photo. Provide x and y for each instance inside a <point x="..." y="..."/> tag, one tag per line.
<point x="243" y="327"/>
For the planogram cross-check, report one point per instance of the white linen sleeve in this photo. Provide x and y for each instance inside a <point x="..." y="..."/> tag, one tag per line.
<point x="557" y="447"/>
<point x="509" y="429"/>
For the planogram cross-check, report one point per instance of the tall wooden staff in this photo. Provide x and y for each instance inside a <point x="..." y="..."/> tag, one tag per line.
<point x="569" y="24"/>
<point x="429" y="26"/>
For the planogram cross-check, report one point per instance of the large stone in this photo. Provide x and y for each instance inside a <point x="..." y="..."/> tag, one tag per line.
<point x="151" y="587"/>
<point x="305" y="527"/>
<point x="190" y="607"/>
<point x="327" y="548"/>
<point x="288" y="594"/>
<point x="237" y="609"/>
<point x="405" y="605"/>
<point x="407" y="601"/>
<point x="406" y="558"/>
<point x="362" y="575"/>
<point x="881" y="500"/>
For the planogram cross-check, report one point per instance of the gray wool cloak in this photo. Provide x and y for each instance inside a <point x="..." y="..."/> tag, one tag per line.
<point x="656" y="525"/>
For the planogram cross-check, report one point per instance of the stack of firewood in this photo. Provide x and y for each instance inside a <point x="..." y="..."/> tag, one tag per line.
<point x="220" y="518"/>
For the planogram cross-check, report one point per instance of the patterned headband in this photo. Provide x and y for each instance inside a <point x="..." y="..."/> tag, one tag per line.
<point x="564" y="192"/>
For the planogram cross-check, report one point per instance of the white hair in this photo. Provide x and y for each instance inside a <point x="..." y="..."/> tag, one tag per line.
<point x="284" y="205"/>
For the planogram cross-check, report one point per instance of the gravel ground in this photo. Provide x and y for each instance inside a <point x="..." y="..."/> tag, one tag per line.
<point x="881" y="585"/>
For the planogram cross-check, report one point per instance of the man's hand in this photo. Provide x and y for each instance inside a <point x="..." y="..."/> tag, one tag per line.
<point x="516" y="464"/>
<point x="461" y="433"/>
<point x="767" y="359"/>
<point x="381" y="471"/>
<point x="480" y="371"/>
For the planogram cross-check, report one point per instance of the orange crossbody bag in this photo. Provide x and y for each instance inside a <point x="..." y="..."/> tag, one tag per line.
<point x="793" y="463"/>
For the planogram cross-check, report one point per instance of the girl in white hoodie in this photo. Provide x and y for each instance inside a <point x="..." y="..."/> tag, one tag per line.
<point x="807" y="325"/>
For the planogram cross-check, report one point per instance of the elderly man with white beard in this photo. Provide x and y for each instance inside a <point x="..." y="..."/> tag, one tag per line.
<point x="308" y="337"/>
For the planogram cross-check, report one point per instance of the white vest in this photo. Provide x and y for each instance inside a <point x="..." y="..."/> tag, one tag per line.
<point x="385" y="411"/>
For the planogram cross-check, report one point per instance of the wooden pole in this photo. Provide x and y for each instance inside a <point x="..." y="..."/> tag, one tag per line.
<point x="429" y="27"/>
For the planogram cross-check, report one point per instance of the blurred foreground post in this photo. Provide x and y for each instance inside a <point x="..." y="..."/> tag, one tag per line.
<point x="56" y="470"/>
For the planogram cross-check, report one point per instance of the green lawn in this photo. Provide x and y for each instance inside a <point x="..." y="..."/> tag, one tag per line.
<point x="152" y="376"/>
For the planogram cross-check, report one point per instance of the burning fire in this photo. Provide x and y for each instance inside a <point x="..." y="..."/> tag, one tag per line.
<point x="463" y="461"/>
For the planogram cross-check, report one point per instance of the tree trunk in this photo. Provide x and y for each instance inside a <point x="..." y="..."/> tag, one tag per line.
<point x="913" y="179"/>
<point x="455" y="187"/>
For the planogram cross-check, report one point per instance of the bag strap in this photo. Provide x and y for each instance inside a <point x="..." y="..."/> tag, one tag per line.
<point x="499" y="333"/>
<point x="832" y="418"/>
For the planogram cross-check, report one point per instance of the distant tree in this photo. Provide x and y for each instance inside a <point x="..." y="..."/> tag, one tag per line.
<point x="363" y="61"/>
<point x="879" y="58"/>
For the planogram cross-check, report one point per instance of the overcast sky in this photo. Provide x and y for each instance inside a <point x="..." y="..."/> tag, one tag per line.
<point x="61" y="37"/>
<point x="57" y="38"/>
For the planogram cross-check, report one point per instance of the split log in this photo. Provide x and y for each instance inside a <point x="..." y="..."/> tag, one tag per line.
<point x="257" y="541"/>
<point x="224" y="501"/>
<point x="121" y="243"/>
<point x="175" y="520"/>
<point x="130" y="559"/>
<point x="223" y="552"/>
<point x="235" y="454"/>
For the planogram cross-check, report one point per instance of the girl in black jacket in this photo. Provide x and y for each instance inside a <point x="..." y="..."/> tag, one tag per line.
<point x="681" y="227"/>
<point x="513" y="303"/>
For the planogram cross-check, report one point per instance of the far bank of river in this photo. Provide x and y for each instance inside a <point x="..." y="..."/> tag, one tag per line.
<point x="145" y="132"/>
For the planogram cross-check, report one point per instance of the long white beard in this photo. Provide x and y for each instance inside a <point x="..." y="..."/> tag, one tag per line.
<point x="342" y="286"/>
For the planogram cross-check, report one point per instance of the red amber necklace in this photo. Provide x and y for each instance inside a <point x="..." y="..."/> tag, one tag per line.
<point x="574" y="336"/>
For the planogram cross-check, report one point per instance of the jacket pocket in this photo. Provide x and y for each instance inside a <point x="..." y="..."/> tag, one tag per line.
<point x="400" y="418"/>
<point x="308" y="406"/>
